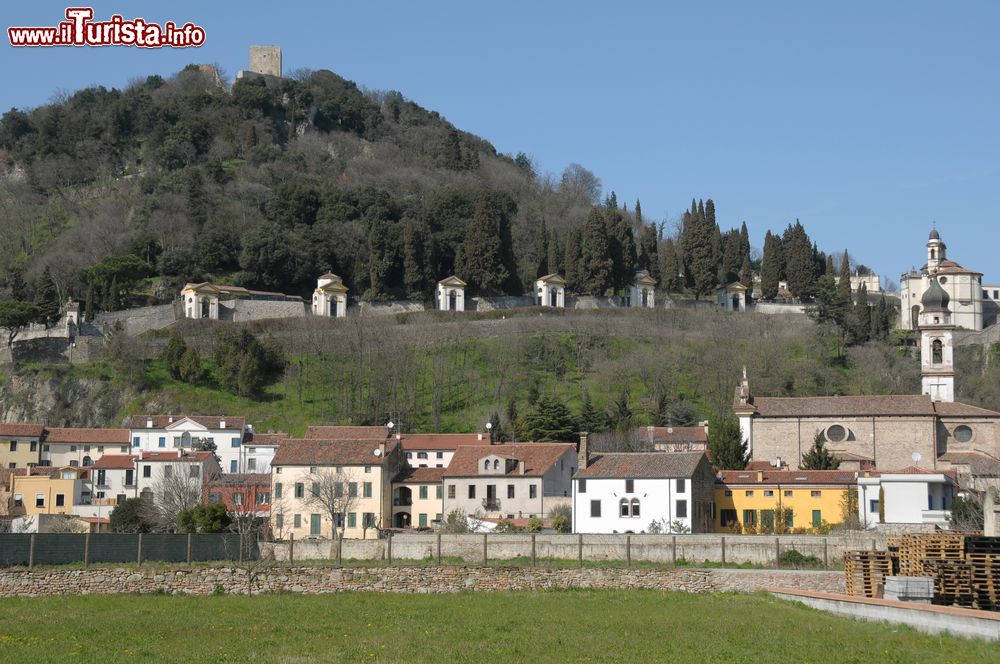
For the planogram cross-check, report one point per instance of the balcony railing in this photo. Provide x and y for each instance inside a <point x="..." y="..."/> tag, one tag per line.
<point x="402" y="502"/>
<point x="491" y="504"/>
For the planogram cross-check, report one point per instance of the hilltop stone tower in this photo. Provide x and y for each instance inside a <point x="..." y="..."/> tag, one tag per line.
<point x="937" y="364"/>
<point x="266" y="60"/>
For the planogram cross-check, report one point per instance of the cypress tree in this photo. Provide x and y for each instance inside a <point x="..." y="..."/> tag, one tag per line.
<point x="770" y="270"/>
<point x="744" y="244"/>
<point x="732" y="261"/>
<point x="486" y="251"/>
<point x="843" y="301"/>
<point x="553" y="254"/>
<point x="596" y="263"/>
<point x="542" y="251"/>
<point x="47" y="298"/>
<point x="621" y="245"/>
<point x="746" y="277"/>
<point x="648" y="257"/>
<point x="830" y="269"/>
<point x="862" y="326"/>
<point x="800" y="269"/>
<point x="88" y="307"/>
<point x="414" y="260"/>
<point x="572" y="261"/>
<point x="699" y="252"/>
<point x="15" y="282"/>
<point x="670" y="279"/>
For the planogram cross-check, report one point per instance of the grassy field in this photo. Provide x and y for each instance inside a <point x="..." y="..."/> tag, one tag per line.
<point x="564" y="626"/>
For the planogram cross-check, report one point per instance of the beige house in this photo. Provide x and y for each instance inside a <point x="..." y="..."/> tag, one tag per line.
<point x="76" y="446"/>
<point x="510" y="480"/>
<point x="330" y="297"/>
<point x="732" y="297"/>
<point x="451" y="294"/>
<point x="418" y="498"/>
<point x="642" y="291"/>
<point x="202" y="300"/>
<point x="325" y="488"/>
<point x="550" y="291"/>
<point x="20" y="445"/>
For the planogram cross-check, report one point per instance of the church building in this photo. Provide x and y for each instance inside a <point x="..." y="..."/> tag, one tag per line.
<point x="887" y="431"/>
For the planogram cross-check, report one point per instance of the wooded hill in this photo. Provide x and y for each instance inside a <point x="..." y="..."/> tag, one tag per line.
<point x="117" y="197"/>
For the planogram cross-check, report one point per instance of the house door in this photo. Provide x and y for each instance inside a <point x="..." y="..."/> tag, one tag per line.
<point x="736" y="302"/>
<point x="333" y="307"/>
<point x="402" y="520"/>
<point x="205" y="308"/>
<point x="314" y="524"/>
<point x="452" y="301"/>
<point x="645" y="298"/>
<point x="915" y="316"/>
<point x="553" y="297"/>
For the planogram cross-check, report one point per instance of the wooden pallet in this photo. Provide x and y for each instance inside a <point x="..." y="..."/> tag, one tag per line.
<point x="865" y="572"/>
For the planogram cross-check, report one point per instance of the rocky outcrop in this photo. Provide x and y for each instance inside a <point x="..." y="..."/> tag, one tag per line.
<point x="59" y="398"/>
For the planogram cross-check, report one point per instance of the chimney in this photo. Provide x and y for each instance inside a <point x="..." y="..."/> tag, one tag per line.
<point x="583" y="452"/>
<point x="760" y="476"/>
<point x="479" y="436"/>
<point x="149" y="422"/>
<point x="381" y="447"/>
<point x="520" y="466"/>
<point x="222" y="423"/>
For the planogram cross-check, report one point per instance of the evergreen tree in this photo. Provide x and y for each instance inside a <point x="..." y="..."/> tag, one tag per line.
<point x="573" y="260"/>
<point x="726" y="445"/>
<point x="47" y="298"/>
<point x="844" y="289"/>
<point x="591" y="419"/>
<point x="542" y="251"/>
<point x="771" y="267"/>
<point x="497" y="433"/>
<point x="861" y="323"/>
<point x="190" y="366"/>
<point x="554" y="254"/>
<point x="487" y="255"/>
<point x="596" y="270"/>
<point x="744" y="244"/>
<point x="670" y="273"/>
<point x="88" y="307"/>
<point x="620" y="416"/>
<point x="415" y="260"/>
<point x="732" y="261"/>
<point x="621" y="247"/>
<point x="829" y="265"/>
<point x="648" y="258"/>
<point x="746" y="277"/>
<point x="172" y="355"/>
<point x="698" y="238"/>
<point x="818" y="457"/>
<point x="800" y="265"/>
<point x="15" y="283"/>
<point x="550" y="421"/>
<point x="826" y="307"/>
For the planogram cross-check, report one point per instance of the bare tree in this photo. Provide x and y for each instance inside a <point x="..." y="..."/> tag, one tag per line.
<point x="176" y="490"/>
<point x="250" y="527"/>
<point x="335" y="494"/>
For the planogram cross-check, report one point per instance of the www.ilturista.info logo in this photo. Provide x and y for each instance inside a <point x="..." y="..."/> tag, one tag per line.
<point x="81" y="30"/>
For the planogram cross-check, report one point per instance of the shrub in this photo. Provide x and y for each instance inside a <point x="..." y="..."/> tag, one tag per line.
<point x="535" y="525"/>
<point x="793" y="558"/>
<point x="562" y="518"/>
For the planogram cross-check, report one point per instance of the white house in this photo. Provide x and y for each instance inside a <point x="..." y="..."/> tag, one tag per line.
<point x="642" y="292"/>
<point x="451" y="294"/>
<point x="112" y="480"/>
<point x="912" y="496"/>
<point x="330" y="297"/>
<point x="154" y="470"/>
<point x="159" y="433"/>
<point x="635" y="492"/>
<point x="732" y="297"/>
<point x="550" y="291"/>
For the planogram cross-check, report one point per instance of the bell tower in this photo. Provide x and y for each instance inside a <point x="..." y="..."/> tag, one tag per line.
<point x="936" y="251"/>
<point x="937" y="364"/>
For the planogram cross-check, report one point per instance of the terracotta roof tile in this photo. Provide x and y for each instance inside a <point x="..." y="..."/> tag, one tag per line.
<point x="348" y="432"/>
<point x="25" y="430"/>
<point x="420" y="475"/>
<point x="317" y="452"/>
<point x="845" y="406"/>
<point x="115" y="461"/>
<point x="979" y="464"/>
<point x="790" y="477"/>
<point x="177" y="456"/>
<point x="537" y="457"/>
<point x="673" y="434"/>
<point x="956" y="409"/>
<point x="640" y="465"/>
<point x="164" y="421"/>
<point x="85" y="436"/>
<point x="442" y="441"/>
<point x="269" y="438"/>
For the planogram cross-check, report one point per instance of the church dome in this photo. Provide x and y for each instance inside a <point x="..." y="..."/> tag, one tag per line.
<point x="934" y="234"/>
<point x="935" y="298"/>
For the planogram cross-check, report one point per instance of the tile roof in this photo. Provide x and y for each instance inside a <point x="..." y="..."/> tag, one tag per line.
<point x="275" y="438"/>
<point x="92" y="436"/>
<point x="639" y="465"/>
<point x="420" y="475"/>
<point x="164" y="421"/>
<point x="537" y="457"/>
<point x="442" y="441"/>
<point x="115" y="461"/>
<point x="957" y="409"/>
<point x="979" y="464"/>
<point x="348" y="432"/>
<point x="177" y="455"/>
<point x="258" y="480"/>
<point x="845" y="406"/>
<point x="26" y="430"/>
<point x="317" y="452"/>
<point x="805" y="477"/>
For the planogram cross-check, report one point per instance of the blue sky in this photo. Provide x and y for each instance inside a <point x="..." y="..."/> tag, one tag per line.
<point x="867" y="121"/>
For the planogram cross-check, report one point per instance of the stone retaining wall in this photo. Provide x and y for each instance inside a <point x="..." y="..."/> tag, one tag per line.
<point x="233" y="580"/>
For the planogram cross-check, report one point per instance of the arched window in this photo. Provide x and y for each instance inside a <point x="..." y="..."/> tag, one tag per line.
<point x="635" y="508"/>
<point x="937" y="353"/>
<point x="496" y="464"/>
<point x="933" y="254"/>
<point x="486" y="465"/>
<point x="623" y="508"/>
<point x="87" y="461"/>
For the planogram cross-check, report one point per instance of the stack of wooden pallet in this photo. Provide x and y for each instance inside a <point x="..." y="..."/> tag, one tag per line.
<point x="914" y="549"/>
<point x="865" y="571"/>
<point x="952" y="582"/>
<point x="982" y="555"/>
<point x="892" y="545"/>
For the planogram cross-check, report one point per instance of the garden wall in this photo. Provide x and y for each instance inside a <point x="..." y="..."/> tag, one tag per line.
<point x="237" y="580"/>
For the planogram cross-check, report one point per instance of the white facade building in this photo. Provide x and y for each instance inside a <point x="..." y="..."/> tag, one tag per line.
<point x="964" y="288"/>
<point x="550" y="291"/>
<point x="451" y="294"/>
<point x="912" y="496"/>
<point x="155" y="471"/>
<point x="732" y="297"/>
<point x="330" y="297"/>
<point x="642" y="291"/>
<point x="634" y="492"/>
<point x="160" y="433"/>
<point x="937" y="364"/>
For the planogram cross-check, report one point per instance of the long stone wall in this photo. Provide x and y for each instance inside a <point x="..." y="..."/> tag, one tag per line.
<point x="235" y="580"/>
<point x="663" y="549"/>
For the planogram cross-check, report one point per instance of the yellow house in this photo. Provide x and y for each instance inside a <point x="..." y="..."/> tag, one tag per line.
<point x="332" y="488"/>
<point x="56" y="491"/>
<point x="20" y="445"/>
<point x="763" y="501"/>
<point x="418" y="498"/>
